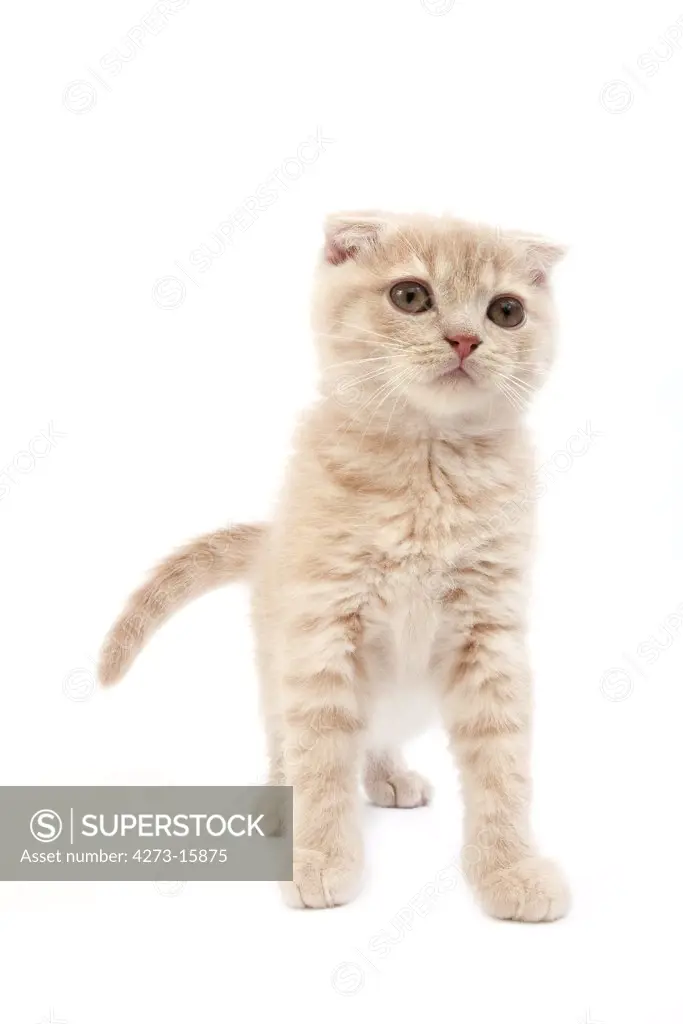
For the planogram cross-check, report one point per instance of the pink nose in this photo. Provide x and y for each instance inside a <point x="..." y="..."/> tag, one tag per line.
<point x="463" y="344"/>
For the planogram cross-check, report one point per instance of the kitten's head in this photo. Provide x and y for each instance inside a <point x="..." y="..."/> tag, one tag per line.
<point x="453" y="318"/>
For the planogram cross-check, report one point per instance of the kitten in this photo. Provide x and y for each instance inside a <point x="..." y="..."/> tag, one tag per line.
<point x="391" y="586"/>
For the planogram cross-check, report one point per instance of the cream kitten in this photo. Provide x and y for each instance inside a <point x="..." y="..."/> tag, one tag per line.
<point x="391" y="586"/>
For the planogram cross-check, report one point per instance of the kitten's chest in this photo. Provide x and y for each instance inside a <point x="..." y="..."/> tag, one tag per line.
<point x="449" y="507"/>
<point x="447" y="513"/>
<point x="397" y="647"/>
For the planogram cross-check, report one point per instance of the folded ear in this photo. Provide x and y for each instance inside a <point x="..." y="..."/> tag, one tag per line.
<point x="540" y="257"/>
<point x="349" y="234"/>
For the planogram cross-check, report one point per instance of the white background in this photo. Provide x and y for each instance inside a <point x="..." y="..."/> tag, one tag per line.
<point x="175" y="416"/>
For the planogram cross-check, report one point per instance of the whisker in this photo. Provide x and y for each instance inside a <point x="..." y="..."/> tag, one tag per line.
<point x="357" y="362"/>
<point x="511" y="397"/>
<point x="397" y="384"/>
<point x="356" y="341"/>
<point x="368" y="376"/>
<point x="510" y="400"/>
<point x="530" y="366"/>
<point x="519" y="383"/>
<point x="366" y="330"/>
<point x="393" y="408"/>
<point x="522" y="396"/>
<point x="365" y="405"/>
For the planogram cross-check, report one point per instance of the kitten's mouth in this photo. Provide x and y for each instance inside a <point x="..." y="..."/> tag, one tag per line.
<point x="454" y="373"/>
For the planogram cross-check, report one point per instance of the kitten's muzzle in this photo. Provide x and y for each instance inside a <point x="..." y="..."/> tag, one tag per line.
<point x="464" y="344"/>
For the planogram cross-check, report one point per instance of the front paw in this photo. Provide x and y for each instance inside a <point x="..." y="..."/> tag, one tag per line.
<point x="532" y="889"/>
<point x="322" y="880"/>
<point x="399" y="789"/>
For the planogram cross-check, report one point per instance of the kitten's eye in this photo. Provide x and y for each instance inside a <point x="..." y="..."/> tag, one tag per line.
<point x="411" y="297"/>
<point x="506" y="311"/>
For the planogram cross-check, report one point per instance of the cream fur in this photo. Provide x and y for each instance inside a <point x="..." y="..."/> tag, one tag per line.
<point x="391" y="587"/>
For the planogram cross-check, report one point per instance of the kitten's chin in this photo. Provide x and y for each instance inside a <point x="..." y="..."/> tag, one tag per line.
<point x="452" y="396"/>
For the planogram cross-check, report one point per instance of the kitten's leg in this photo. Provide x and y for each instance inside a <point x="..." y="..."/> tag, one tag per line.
<point x="389" y="783"/>
<point x="276" y="767"/>
<point x="487" y="714"/>
<point x="269" y="805"/>
<point x="322" y="730"/>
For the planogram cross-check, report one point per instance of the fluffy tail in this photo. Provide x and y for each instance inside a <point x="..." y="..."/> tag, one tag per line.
<point x="205" y="563"/>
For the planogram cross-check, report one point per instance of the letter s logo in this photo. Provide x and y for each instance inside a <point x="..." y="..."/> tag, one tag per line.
<point x="46" y="826"/>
